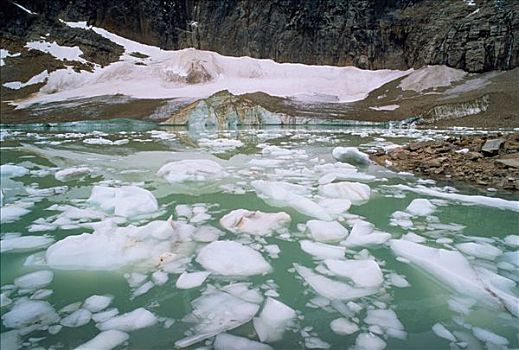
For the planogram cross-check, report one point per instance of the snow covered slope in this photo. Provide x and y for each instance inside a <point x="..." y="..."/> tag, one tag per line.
<point x="149" y="72"/>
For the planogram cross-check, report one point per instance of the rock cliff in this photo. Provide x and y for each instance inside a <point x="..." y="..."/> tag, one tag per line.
<point x="476" y="36"/>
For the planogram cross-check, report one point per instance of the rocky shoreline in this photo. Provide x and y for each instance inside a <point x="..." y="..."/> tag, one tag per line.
<point x="490" y="161"/>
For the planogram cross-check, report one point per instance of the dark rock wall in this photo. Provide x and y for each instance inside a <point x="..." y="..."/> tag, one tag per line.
<point x="369" y="34"/>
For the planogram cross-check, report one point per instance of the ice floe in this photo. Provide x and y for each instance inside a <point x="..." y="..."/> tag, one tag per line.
<point x="78" y="318"/>
<point x="356" y="192"/>
<point x="273" y="320"/>
<point x="283" y="194"/>
<point x="215" y="312"/>
<point x="364" y="234"/>
<point x="443" y="332"/>
<point x="136" y="319"/>
<point x="226" y="341"/>
<point x="350" y="155"/>
<point x="191" y="279"/>
<point x="127" y="201"/>
<point x="96" y="303"/>
<point x="363" y="273"/>
<point x="191" y="170"/>
<point x="231" y="258"/>
<point x="34" y="280"/>
<point x="421" y="207"/>
<point x="65" y="174"/>
<point x="255" y="222"/>
<point x="106" y="340"/>
<point x="387" y="320"/>
<point x="25" y="243"/>
<point x="368" y="341"/>
<point x="326" y="231"/>
<point x="330" y="289"/>
<point x="480" y="200"/>
<point x="343" y="326"/>
<point x="30" y="315"/>
<point x="322" y="250"/>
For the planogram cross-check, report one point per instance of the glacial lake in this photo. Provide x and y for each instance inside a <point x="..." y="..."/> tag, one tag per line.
<point x="122" y="209"/>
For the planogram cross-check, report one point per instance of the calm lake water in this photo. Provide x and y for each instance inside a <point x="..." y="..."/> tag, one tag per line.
<point x="437" y="275"/>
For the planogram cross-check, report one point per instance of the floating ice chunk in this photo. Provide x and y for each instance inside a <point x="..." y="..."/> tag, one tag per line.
<point x="512" y="240"/>
<point x="421" y="207"/>
<point x="55" y="329"/>
<point x="24" y="243"/>
<point x="136" y="319"/>
<point x="480" y="250"/>
<point x="191" y="170"/>
<point x="316" y="343"/>
<point x="11" y="213"/>
<point x="450" y="267"/>
<point x="501" y="288"/>
<point x="105" y="315"/>
<point x="96" y="303"/>
<point x="159" y="278"/>
<point x="350" y="155"/>
<point x="273" y="320"/>
<point x="10" y="340"/>
<point x="443" y="332"/>
<point x="480" y="200"/>
<point x="8" y="170"/>
<point x="124" y="201"/>
<point x="355" y="192"/>
<point x="402" y="219"/>
<point x="363" y="234"/>
<point x="255" y="222"/>
<point x="206" y="234"/>
<point x="232" y="259"/>
<point x="335" y="206"/>
<point x="398" y="281"/>
<point x="77" y="319"/>
<point x="326" y="231"/>
<point x="41" y="294"/>
<point x="364" y="273"/>
<point x="5" y="300"/>
<point x="34" y="280"/>
<point x="145" y="288"/>
<point x="342" y="326"/>
<point x="388" y="321"/>
<point x="272" y="250"/>
<point x="220" y="145"/>
<point x="321" y="250"/>
<point x="132" y="200"/>
<point x="368" y="341"/>
<point x="191" y="280"/>
<point x="105" y="341"/>
<point x="30" y="313"/>
<point x="243" y="291"/>
<point x="489" y="337"/>
<point x="65" y="174"/>
<point x="282" y="194"/>
<point x="226" y="341"/>
<point x="183" y="210"/>
<point x="217" y="312"/>
<point x="331" y="289"/>
<point x="413" y="237"/>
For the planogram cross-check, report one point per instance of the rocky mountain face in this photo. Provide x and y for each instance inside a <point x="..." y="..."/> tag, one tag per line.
<point x="476" y="36"/>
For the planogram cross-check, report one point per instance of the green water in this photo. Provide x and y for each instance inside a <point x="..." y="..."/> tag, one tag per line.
<point x="418" y="307"/>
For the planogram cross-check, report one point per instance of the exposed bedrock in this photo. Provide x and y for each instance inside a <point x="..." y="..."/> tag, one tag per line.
<point x="377" y="34"/>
